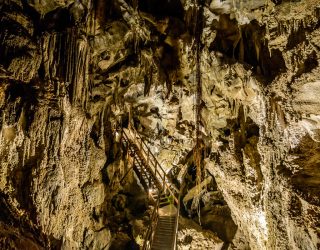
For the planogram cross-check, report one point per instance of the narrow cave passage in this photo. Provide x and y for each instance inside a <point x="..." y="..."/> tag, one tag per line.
<point x="147" y="124"/>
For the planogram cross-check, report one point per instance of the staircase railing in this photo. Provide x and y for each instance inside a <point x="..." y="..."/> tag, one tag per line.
<point x="148" y="237"/>
<point x="164" y="184"/>
<point x="156" y="169"/>
<point x="174" y="247"/>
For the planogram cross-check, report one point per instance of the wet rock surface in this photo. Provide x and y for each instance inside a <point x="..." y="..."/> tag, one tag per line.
<point x="72" y="73"/>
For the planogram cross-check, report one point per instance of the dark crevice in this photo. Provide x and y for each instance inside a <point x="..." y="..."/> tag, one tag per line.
<point x="107" y="10"/>
<point x="129" y="60"/>
<point x="296" y="37"/>
<point x="162" y="8"/>
<point x="57" y="20"/>
<point x="245" y="43"/>
<point x="306" y="181"/>
<point x="18" y="232"/>
<point x="308" y="65"/>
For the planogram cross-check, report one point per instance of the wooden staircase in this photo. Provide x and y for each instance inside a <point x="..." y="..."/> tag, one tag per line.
<point x="163" y="228"/>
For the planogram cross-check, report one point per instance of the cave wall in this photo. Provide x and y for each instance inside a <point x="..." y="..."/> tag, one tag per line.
<point x="71" y="72"/>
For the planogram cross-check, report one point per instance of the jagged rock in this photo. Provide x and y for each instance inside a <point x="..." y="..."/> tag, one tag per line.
<point x="72" y="73"/>
<point x="191" y="236"/>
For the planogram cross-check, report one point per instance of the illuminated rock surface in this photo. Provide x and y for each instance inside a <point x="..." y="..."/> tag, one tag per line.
<point x="71" y="72"/>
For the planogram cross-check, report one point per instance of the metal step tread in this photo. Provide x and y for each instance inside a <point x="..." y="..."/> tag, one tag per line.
<point x="166" y="227"/>
<point x="162" y="241"/>
<point x="166" y="219"/>
<point x="164" y="245"/>
<point x="165" y="230"/>
<point x="168" y="245"/>
<point x="165" y="223"/>
<point x="162" y="235"/>
<point x="161" y="218"/>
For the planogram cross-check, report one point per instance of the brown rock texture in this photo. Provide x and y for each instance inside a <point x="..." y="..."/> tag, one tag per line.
<point x="73" y="72"/>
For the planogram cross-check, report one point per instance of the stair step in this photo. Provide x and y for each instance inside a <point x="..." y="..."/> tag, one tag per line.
<point x="164" y="232"/>
<point x="166" y="219"/>
<point x="160" y="237"/>
<point x="166" y="224"/>
<point x="160" y="241"/>
<point x="164" y="235"/>
<point x="161" y="245"/>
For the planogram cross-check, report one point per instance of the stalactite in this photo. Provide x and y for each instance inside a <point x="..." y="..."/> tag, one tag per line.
<point x="70" y="60"/>
<point x="198" y="28"/>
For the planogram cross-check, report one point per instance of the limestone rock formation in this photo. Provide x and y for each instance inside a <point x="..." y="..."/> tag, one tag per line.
<point x="237" y="81"/>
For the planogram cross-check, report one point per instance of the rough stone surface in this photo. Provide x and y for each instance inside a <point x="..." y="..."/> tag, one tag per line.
<point x="191" y="236"/>
<point x="72" y="72"/>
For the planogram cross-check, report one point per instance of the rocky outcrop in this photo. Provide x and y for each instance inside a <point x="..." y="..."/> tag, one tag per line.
<point x="72" y="72"/>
